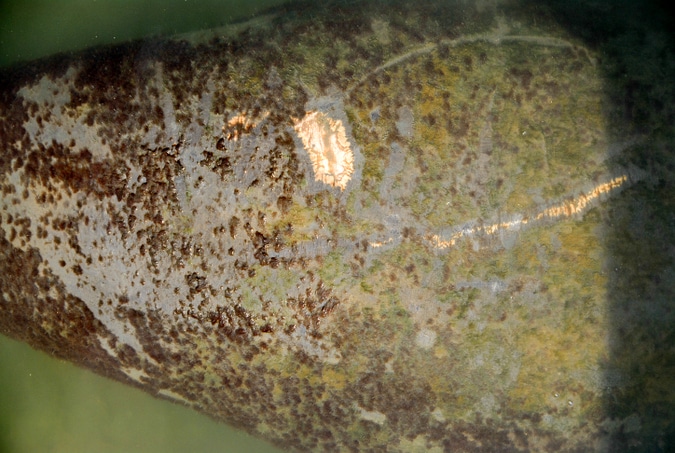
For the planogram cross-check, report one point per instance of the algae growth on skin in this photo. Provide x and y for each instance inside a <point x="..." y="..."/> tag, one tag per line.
<point x="397" y="228"/>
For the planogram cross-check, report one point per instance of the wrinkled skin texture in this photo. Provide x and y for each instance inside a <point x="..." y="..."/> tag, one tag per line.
<point x="397" y="228"/>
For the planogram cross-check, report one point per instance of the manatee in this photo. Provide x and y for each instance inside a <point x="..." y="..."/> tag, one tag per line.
<point x="436" y="226"/>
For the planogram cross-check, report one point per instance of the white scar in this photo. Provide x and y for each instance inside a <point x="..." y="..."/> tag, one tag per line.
<point x="326" y="143"/>
<point x="575" y="206"/>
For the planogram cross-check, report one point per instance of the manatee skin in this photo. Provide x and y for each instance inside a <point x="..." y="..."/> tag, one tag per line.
<point x="392" y="228"/>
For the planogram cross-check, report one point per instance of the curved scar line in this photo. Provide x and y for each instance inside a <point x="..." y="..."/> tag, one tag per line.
<point x="496" y="39"/>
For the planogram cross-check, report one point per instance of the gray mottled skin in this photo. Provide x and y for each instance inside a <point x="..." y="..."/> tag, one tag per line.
<point x="164" y="224"/>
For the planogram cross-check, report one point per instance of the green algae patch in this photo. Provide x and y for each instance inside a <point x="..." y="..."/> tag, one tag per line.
<point x="572" y="313"/>
<point x="373" y="169"/>
<point x="333" y="269"/>
<point x="489" y="131"/>
<point x="301" y="222"/>
<point x="274" y="284"/>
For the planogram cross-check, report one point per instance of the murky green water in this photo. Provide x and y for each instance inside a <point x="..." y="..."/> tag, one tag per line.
<point x="48" y="405"/>
<point x="29" y="30"/>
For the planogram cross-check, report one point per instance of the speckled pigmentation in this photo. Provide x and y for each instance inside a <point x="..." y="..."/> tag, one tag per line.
<point x="164" y="224"/>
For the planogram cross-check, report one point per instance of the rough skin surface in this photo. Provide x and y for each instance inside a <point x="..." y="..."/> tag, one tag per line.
<point x="433" y="267"/>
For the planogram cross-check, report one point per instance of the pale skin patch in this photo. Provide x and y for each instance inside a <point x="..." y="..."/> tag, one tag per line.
<point x="372" y="416"/>
<point x="326" y="142"/>
<point x="425" y="338"/>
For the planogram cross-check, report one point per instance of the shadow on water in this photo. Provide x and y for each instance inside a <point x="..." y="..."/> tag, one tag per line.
<point x="636" y="42"/>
